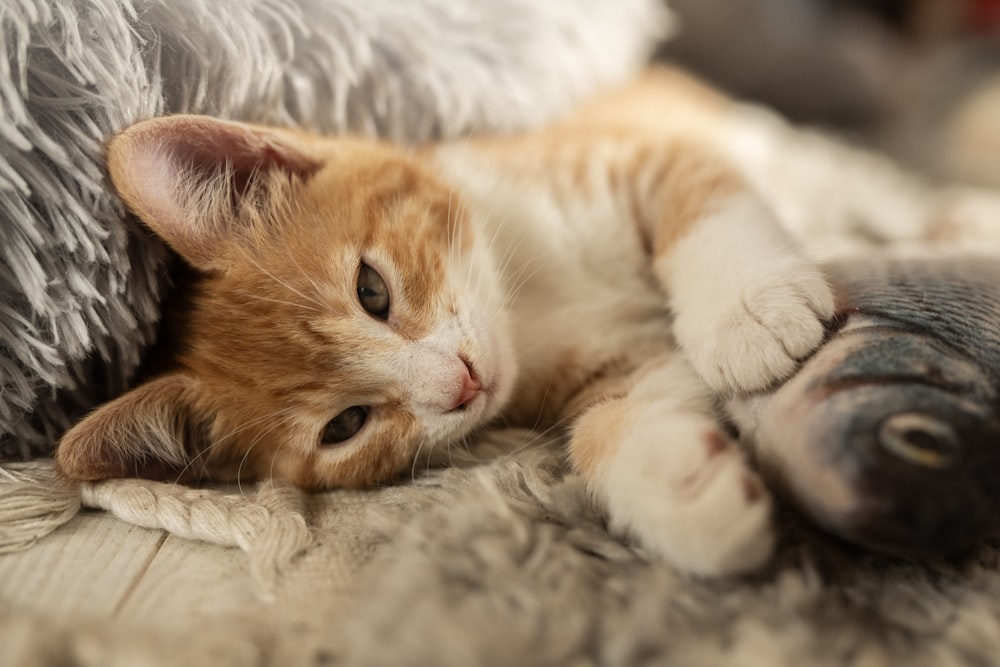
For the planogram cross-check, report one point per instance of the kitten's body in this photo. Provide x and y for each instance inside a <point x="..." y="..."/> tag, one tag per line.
<point x="546" y="280"/>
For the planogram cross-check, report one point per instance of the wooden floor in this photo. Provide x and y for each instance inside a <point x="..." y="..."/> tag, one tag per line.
<point x="100" y="565"/>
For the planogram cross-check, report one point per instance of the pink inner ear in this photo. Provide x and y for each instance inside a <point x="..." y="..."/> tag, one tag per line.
<point x="207" y="141"/>
<point x="152" y="161"/>
<point x="204" y="143"/>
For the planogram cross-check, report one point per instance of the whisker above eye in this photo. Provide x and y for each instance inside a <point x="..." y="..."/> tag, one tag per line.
<point x="257" y="297"/>
<point x="283" y="283"/>
<point x="305" y="274"/>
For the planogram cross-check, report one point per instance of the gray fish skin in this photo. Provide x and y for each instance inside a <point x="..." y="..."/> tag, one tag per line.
<point x="889" y="435"/>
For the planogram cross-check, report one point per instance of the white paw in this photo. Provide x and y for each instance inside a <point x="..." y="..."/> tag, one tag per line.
<point x="681" y="489"/>
<point x="747" y="305"/>
<point x="759" y="334"/>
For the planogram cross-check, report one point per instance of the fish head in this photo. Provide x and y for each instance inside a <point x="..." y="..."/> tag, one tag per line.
<point x="889" y="435"/>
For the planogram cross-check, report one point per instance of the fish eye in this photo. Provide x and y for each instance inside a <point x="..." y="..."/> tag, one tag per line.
<point x="344" y="426"/>
<point x="920" y="439"/>
<point x="373" y="293"/>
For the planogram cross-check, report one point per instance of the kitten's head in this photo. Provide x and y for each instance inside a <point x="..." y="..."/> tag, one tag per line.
<point x="345" y="317"/>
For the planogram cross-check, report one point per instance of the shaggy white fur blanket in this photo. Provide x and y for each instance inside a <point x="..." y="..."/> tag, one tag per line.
<point x="80" y="288"/>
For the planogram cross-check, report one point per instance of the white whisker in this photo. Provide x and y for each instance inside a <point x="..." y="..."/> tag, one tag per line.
<point x="257" y="297"/>
<point x="416" y="457"/>
<point x="283" y="283"/>
<point x="305" y="274"/>
<point x="222" y="438"/>
<point x="246" y="454"/>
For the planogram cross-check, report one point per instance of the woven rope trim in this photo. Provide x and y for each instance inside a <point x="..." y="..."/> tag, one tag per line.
<point x="270" y="525"/>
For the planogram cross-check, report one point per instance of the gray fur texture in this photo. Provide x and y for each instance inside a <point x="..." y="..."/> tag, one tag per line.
<point x="80" y="285"/>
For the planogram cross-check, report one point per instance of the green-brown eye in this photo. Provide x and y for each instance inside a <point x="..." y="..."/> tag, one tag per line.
<point x="345" y="426"/>
<point x="373" y="293"/>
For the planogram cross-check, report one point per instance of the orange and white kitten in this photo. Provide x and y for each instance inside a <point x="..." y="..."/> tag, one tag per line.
<point x="358" y="305"/>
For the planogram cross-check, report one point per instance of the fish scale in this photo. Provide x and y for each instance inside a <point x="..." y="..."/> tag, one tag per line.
<point x="954" y="300"/>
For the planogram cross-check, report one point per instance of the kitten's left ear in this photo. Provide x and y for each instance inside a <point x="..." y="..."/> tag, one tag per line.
<point x="185" y="176"/>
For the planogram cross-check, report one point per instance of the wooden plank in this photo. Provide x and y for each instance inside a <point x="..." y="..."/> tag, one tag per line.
<point x="188" y="578"/>
<point x="85" y="566"/>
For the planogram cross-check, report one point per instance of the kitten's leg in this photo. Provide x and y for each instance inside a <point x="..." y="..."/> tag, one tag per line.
<point x="670" y="478"/>
<point x="748" y="305"/>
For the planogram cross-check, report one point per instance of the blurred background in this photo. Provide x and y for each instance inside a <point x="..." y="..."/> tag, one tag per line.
<point x="918" y="79"/>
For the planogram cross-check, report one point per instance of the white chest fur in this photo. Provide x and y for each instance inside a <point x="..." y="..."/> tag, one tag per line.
<point x="582" y="297"/>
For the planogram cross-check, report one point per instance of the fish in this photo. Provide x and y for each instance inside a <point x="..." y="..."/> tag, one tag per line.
<point x="888" y="436"/>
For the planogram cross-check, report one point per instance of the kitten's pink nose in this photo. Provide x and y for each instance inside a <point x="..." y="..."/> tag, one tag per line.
<point x="471" y="386"/>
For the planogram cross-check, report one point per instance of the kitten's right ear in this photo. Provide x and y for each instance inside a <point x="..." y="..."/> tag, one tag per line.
<point x="142" y="433"/>
<point x="184" y="176"/>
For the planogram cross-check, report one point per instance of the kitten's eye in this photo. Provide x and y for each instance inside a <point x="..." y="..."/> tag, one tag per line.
<point x="373" y="293"/>
<point x="345" y="426"/>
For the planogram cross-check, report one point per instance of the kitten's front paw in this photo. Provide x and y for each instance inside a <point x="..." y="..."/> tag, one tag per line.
<point x="682" y="489"/>
<point x="747" y="341"/>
